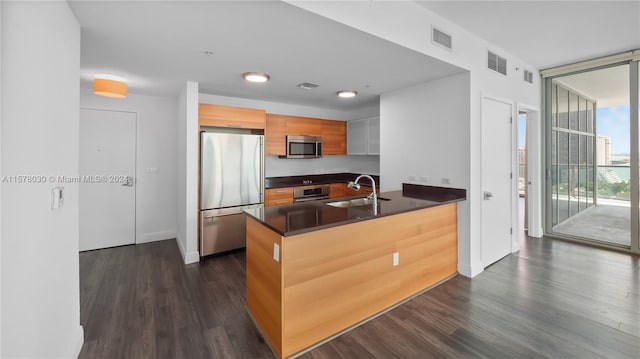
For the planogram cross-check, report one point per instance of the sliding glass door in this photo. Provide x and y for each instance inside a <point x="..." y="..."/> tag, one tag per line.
<point x="590" y="132"/>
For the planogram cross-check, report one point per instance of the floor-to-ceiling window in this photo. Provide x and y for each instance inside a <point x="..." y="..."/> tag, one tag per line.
<point x="573" y="140"/>
<point x="590" y="170"/>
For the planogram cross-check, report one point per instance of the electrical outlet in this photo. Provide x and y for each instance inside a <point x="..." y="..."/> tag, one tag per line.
<point x="424" y="179"/>
<point x="396" y="258"/>
<point x="446" y="180"/>
<point x="276" y="252"/>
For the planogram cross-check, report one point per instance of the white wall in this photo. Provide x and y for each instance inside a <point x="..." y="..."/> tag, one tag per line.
<point x="156" y="159"/>
<point x="432" y="121"/>
<point x="1" y="177"/>
<point x="275" y="166"/>
<point x="187" y="206"/>
<point x="409" y="24"/>
<point x="40" y="126"/>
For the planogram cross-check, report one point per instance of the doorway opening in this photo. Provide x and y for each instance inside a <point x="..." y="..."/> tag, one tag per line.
<point x="591" y="150"/>
<point x="528" y="169"/>
<point x="523" y="175"/>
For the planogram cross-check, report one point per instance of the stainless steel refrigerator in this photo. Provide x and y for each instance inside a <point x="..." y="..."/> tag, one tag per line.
<point x="232" y="179"/>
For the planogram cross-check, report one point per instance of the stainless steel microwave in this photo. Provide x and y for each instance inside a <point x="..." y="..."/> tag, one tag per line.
<point x="304" y="147"/>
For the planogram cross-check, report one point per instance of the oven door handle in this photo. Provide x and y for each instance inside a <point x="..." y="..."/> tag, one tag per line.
<point x="307" y="199"/>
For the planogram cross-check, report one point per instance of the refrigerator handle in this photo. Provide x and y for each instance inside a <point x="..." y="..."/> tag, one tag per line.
<point x="262" y="160"/>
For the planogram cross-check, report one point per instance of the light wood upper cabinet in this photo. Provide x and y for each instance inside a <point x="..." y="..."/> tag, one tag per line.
<point x="275" y="135"/>
<point x="334" y="137"/>
<point x="227" y="116"/>
<point x="303" y="126"/>
<point x="333" y="133"/>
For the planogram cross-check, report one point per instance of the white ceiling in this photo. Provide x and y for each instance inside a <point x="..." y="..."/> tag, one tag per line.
<point x="549" y="33"/>
<point x="609" y="86"/>
<point x="158" y="45"/>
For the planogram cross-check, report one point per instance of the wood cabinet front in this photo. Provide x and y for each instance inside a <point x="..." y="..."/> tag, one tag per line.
<point x="337" y="190"/>
<point x="227" y="116"/>
<point x="334" y="137"/>
<point x="333" y="133"/>
<point x="326" y="281"/>
<point x="275" y="135"/>
<point x="303" y="126"/>
<point x="278" y="196"/>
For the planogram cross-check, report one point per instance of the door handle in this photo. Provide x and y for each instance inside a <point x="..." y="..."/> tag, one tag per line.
<point x="488" y="195"/>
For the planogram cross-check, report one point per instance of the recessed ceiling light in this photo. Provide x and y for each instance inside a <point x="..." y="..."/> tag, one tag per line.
<point x="256" y="77"/>
<point x="346" y="93"/>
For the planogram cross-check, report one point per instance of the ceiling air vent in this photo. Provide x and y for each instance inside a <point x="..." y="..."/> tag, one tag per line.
<point x="440" y="38"/>
<point x="528" y="76"/>
<point x="307" y="85"/>
<point x="497" y="63"/>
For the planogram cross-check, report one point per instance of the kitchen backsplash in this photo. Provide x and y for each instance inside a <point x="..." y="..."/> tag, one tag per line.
<point x="275" y="166"/>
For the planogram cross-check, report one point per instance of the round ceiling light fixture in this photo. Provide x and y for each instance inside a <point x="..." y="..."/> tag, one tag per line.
<point x="256" y="77"/>
<point x="347" y="93"/>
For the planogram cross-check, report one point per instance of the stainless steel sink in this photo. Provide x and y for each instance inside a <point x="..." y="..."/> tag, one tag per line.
<point x="357" y="202"/>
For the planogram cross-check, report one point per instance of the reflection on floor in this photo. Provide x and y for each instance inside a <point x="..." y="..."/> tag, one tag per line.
<point x="607" y="222"/>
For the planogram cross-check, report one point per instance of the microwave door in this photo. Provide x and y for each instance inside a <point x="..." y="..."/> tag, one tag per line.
<point x="301" y="149"/>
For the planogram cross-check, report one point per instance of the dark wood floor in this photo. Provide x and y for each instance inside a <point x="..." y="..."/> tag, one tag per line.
<point x="552" y="299"/>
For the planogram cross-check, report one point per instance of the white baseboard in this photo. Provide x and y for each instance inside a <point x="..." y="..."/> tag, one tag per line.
<point x="155" y="236"/>
<point x="536" y="232"/>
<point x="469" y="271"/>
<point x="77" y="342"/>
<point x="190" y="257"/>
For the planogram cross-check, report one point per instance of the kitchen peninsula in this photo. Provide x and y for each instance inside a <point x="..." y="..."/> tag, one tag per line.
<point x="315" y="269"/>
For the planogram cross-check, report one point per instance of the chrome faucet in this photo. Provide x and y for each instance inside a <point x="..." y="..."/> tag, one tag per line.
<point x="373" y="196"/>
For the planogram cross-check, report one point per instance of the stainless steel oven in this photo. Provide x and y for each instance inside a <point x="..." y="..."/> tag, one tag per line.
<point x="304" y="147"/>
<point x="311" y="193"/>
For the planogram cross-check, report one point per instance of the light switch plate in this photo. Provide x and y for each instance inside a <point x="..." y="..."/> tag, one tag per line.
<point x="396" y="258"/>
<point x="276" y="252"/>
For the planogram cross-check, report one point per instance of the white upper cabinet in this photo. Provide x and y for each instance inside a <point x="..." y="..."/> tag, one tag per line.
<point x="363" y="136"/>
<point x="374" y="136"/>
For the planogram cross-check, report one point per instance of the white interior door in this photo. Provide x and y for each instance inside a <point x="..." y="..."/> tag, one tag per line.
<point x="107" y="185"/>
<point x="496" y="180"/>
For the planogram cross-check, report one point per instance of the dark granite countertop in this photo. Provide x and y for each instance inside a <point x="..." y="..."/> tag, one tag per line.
<point x="304" y="217"/>
<point x="306" y="180"/>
